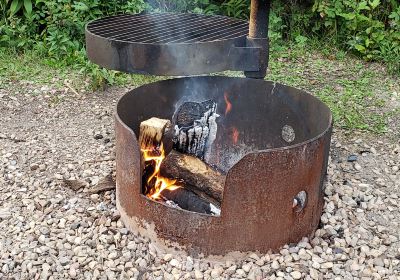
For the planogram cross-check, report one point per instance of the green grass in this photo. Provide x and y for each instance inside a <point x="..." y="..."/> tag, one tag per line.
<point x="31" y="66"/>
<point x="357" y="92"/>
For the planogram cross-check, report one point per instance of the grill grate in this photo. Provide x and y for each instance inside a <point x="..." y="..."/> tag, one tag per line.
<point x="168" y="28"/>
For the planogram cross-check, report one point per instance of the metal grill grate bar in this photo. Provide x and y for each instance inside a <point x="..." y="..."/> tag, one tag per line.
<point x="158" y="29"/>
<point x="182" y="32"/>
<point x="167" y="28"/>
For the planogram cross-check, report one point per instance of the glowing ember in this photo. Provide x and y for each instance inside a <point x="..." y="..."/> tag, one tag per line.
<point x="235" y="135"/>
<point x="228" y="104"/>
<point x="154" y="156"/>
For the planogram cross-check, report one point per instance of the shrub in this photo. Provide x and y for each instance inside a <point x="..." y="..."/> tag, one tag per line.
<point x="55" y="28"/>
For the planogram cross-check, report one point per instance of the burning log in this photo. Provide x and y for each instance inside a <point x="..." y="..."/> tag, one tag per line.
<point x="195" y="128"/>
<point x="194" y="172"/>
<point x="188" y="200"/>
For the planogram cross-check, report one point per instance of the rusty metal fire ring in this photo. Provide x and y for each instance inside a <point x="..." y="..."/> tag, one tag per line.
<point x="278" y="156"/>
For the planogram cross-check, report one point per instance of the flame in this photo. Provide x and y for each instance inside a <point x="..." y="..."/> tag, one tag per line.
<point x="228" y="104"/>
<point x="155" y="156"/>
<point x="235" y="135"/>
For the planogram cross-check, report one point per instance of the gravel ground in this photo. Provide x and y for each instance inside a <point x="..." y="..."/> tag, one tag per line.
<point x="48" y="231"/>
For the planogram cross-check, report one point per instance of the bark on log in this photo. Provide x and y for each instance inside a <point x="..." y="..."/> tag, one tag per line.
<point x="194" y="172"/>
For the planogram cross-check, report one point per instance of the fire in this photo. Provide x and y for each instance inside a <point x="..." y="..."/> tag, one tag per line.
<point x="155" y="156"/>
<point x="235" y="131"/>
<point x="235" y="135"/>
<point x="228" y="104"/>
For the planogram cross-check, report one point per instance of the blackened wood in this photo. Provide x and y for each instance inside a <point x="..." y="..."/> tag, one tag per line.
<point x="194" y="172"/>
<point x="188" y="200"/>
<point x="195" y="128"/>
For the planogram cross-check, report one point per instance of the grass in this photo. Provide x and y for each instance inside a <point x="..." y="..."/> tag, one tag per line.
<point x="31" y="66"/>
<point x="357" y="92"/>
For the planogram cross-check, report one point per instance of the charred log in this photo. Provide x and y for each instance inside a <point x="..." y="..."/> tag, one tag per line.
<point x="195" y="128"/>
<point x="188" y="200"/>
<point x="194" y="172"/>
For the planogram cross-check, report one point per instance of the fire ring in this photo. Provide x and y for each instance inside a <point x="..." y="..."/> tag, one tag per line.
<point x="273" y="143"/>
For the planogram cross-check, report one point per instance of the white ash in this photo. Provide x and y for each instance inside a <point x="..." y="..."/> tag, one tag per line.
<point x="172" y="204"/>
<point x="215" y="210"/>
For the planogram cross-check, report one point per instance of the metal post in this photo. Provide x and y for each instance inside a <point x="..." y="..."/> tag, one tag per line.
<point x="258" y="35"/>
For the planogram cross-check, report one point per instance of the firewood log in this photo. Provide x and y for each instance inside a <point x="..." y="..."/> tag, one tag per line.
<point x="154" y="131"/>
<point x="188" y="200"/>
<point x="194" y="172"/>
<point x="195" y="128"/>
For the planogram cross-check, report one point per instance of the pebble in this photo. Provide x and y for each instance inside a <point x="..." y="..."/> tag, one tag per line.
<point x="174" y="262"/>
<point x="296" y="274"/>
<point x="357" y="166"/>
<point x="198" y="274"/>
<point x="352" y="158"/>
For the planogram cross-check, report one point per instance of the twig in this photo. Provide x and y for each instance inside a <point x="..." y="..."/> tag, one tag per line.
<point x="105" y="184"/>
<point x="12" y="139"/>
<point x="70" y="87"/>
<point x="99" y="160"/>
<point x="101" y="188"/>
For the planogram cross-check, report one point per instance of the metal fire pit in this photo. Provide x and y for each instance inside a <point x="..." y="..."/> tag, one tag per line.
<point x="279" y="152"/>
<point x="272" y="140"/>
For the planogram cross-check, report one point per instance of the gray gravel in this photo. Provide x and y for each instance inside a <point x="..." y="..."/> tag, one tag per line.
<point x="48" y="231"/>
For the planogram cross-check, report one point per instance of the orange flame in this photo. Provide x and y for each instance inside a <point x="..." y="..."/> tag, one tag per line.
<point x="155" y="157"/>
<point x="228" y="104"/>
<point x="235" y="135"/>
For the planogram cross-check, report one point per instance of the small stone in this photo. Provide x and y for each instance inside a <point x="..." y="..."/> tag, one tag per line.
<point x="34" y="166"/>
<point x="72" y="272"/>
<point x="143" y="263"/>
<point x="327" y="265"/>
<point x="198" y="274"/>
<point x="295" y="274"/>
<point x="216" y="272"/>
<point x="63" y="261"/>
<point x="174" y="263"/>
<point x="231" y="270"/>
<point x="189" y="264"/>
<point x="246" y="267"/>
<point x="98" y="136"/>
<point x="354" y="266"/>
<point x="241" y="273"/>
<point x="113" y="255"/>
<point x="352" y="158"/>
<point x="313" y="273"/>
<point x="275" y="265"/>
<point x="167" y="257"/>
<point x="357" y="166"/>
